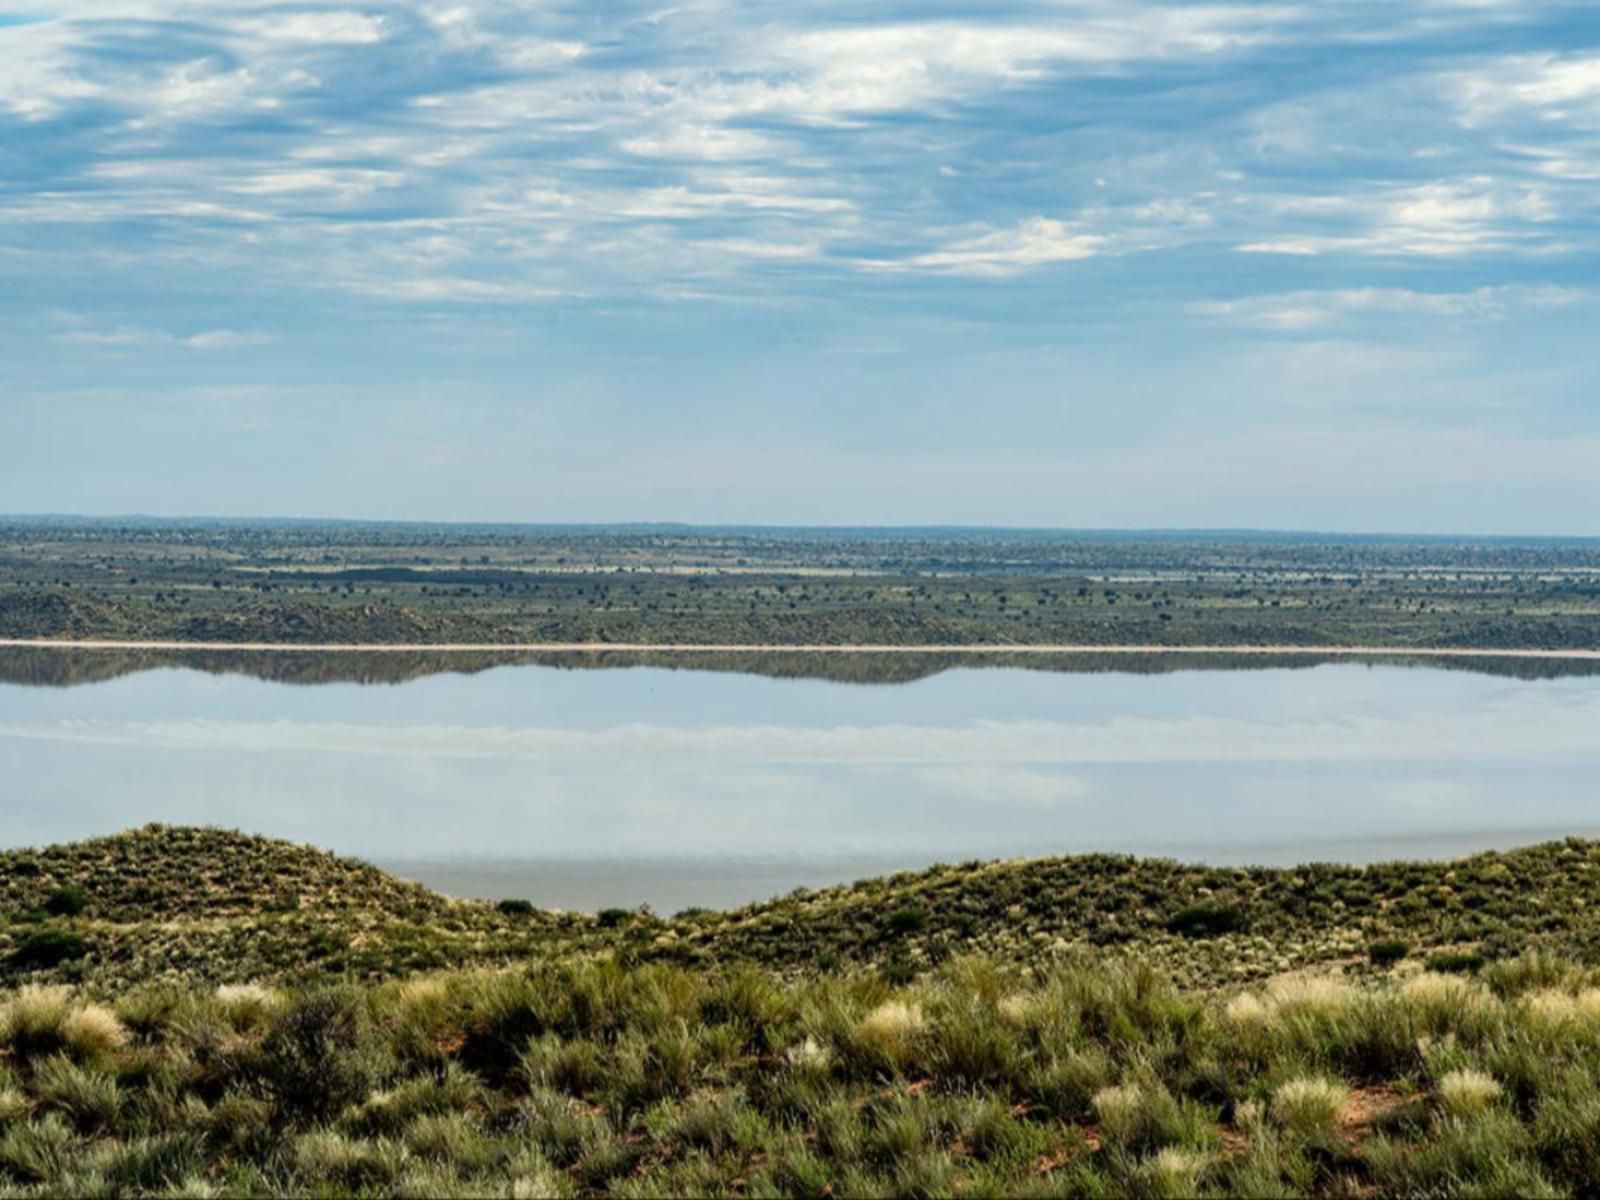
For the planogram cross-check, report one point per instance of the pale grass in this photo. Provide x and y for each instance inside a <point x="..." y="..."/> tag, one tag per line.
<point x="1309" y="1105"/>
<point x="892" y="1027"/>
<point x="92" y="1030"/>
<point x="1120" y="1109"/>
<point x="1464" y="1092"/>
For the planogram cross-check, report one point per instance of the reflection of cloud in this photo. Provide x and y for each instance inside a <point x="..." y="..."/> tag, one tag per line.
<point x="1517" y="726"/>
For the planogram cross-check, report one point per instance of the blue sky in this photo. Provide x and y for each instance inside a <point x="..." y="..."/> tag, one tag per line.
<point x="1094" y="263"/>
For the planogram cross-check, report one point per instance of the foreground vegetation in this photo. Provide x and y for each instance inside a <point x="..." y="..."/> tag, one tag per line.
<point x="329" y="582"/>
<point x="1090" y="1077"/>
<point x="196" y="1012"/>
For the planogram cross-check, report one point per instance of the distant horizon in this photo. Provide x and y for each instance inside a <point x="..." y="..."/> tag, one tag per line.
<point x="1164" y="532"/>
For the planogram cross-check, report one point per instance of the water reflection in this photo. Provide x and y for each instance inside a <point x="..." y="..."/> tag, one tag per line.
<point x="40" y="667"/>
<point x="585" y="787"/>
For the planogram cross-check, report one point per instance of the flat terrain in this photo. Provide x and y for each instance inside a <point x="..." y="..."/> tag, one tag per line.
<point x="330" y="584"/>
<point x="1093" y="1026"/>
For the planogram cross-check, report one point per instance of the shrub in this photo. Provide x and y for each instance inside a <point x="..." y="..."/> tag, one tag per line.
<point x="516" y="908"/>
<point x="1206" y="920"/>
<point x="905" y="921"/>
<point x="1456" y="962"/>
<point x="66" y="902"/>
<point x="1387" y="951"/>
<point x="319" y="1057"/>
<point x="48" y="948"/>
<point x="610" y="918"/>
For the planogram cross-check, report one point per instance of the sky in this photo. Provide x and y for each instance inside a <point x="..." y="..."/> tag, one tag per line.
<point x="1310" y="264"/>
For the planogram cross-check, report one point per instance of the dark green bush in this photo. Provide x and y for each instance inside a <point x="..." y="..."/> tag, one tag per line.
<point x="907" y="920"/>
<point x="321" y="1056"/>
<point x="1206" y="920"/>
<point x="66" y="902"/>
<point x="1461" y="962"/>
<point x="516" y="908"/>
<point x="1387" y="951"/>
<point x="610" y="918"/>
<point x="48" y="948"/>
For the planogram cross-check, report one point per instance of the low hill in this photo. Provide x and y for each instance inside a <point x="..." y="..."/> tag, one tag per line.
<point x="167" y="902"/>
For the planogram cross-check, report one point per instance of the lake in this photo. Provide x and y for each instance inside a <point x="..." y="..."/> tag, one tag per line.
<point x="584" y="788"/>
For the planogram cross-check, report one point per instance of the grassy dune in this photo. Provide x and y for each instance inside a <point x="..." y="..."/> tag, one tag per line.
<point x="234" y="1015"/>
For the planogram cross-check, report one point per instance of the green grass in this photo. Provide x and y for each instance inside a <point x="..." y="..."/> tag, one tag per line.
<point x="254" y="1018"/>
<point x="1090" y="1077"/>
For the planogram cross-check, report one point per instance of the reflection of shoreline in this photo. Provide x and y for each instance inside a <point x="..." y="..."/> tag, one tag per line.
<point x="40" y="666"/>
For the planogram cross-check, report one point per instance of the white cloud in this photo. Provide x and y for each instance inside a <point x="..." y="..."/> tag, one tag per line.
<point x="319" y="28"/>
<point x="1444" y="219"/>
<point x="1290" y="311"/>
<point x="225" y="339"/>
<point x="1035" y="242"/>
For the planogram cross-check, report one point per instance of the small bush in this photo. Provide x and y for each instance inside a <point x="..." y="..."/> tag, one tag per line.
<point x="516" y="908"/>
<point x="905" y="921"/>
<point x="48" y="948"/>
<point x="1456" y="962"/>
<point x="1206" y="920"/>
<point x="611" y="918"/>
<point x="319" y="1057"/>
<point x="1387" y="951"/>
<point x="66" y="902"/>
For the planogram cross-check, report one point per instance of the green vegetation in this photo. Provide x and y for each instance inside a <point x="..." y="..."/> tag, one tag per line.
<point x="1089" y="1076"/>
<point x="321" y="582"/>
<point x="212" y="907"/>
<point x="196" y="1012"/>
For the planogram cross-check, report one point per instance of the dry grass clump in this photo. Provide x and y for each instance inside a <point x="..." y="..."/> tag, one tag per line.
<point x="891" y="1029"/>
<point x="39" y="1020"/>
<point x="1438" y="1003"/>
<point x="1464" y="1092"/>
<point x="1120" y="1109"/>
<point x="248" y="1005"/>
<point x="34" y="1015"/>
<point x="92" y="1030"/>
<point x="1310" y="1106"/>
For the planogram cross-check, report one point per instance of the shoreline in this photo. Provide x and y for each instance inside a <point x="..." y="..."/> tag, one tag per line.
<point x="969" y="648"/>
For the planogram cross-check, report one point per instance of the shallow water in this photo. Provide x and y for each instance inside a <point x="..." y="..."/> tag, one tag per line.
<point x="586" y="788"/>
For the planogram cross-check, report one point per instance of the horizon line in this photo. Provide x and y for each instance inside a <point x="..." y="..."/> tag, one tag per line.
<point x="768" y="527"/>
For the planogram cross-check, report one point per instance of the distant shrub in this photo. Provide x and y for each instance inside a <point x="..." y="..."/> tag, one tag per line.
<point x="48" y="948"/>
<point x="1456" y="962"/>
<point x="907" y="920"/>
<point x="516" y="908"/>
<point x="611" y="918"/>
<point x="1206" y="920"/>
<point x="66" y="902"/>
<point x="1387" y="951"/>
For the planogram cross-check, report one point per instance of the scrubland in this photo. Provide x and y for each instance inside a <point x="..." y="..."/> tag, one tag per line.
<point x="226" y="1015"/>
